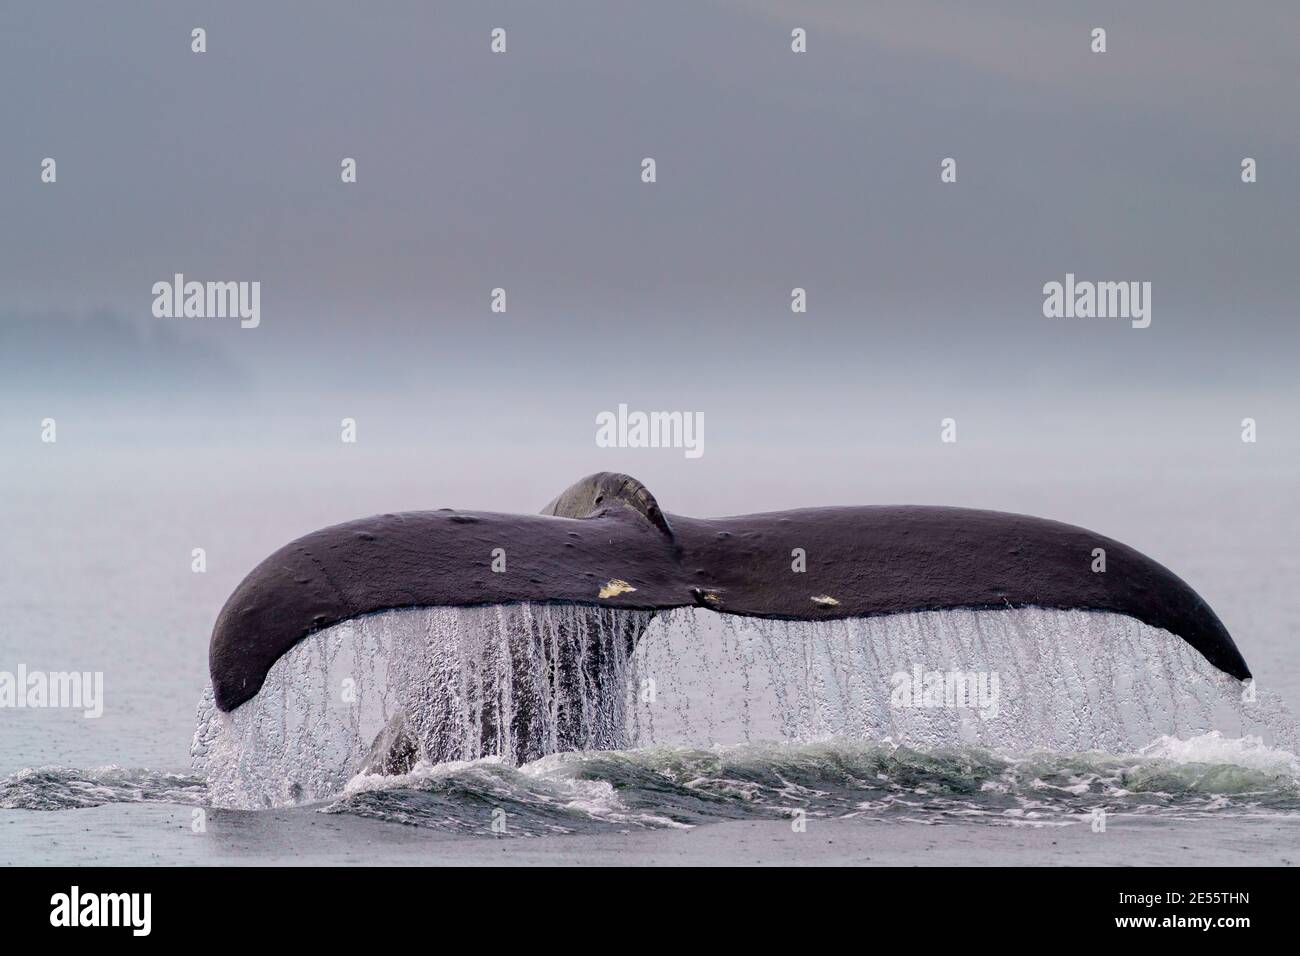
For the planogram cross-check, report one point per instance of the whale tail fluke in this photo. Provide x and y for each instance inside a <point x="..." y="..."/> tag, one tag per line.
<point x="605" y="542"/>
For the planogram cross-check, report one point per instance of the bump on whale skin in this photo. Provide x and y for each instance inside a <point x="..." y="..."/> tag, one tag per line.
<point x="606" y="542"/>
<point x="604" y="491"/>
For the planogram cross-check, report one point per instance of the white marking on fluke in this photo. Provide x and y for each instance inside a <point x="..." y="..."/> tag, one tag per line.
<point x="615" y="587"/>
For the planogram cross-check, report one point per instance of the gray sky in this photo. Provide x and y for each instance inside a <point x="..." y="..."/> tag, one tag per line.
<point x="522" y="171"/>
<point x="775" y="170"/>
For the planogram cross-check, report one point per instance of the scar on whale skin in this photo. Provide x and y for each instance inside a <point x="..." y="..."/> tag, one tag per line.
<point x="606" y="543"/>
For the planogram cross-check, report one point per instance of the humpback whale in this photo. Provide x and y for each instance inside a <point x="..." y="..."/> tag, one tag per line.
<point x="606" y="543"/>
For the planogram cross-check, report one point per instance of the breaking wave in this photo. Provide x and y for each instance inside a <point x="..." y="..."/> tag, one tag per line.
<point x="63" y="788"/>
<point x="680" y="787"/>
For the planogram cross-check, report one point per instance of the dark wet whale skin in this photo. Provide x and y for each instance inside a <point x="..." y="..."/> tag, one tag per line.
<point x="861" y="561"/>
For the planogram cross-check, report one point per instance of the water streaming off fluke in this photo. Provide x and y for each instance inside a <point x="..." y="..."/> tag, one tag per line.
<point x="399" y="690"/>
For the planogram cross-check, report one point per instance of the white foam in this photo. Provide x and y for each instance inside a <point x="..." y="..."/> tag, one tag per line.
<point x="541" y="785"/>
<point x="1214" y="748"/>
